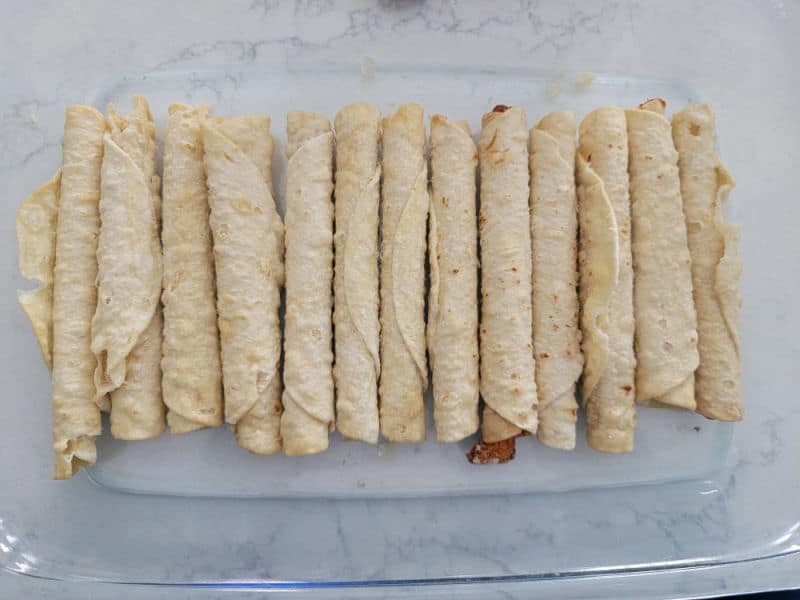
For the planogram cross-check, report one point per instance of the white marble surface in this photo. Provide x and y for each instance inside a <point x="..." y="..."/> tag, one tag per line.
<point x="736" y="54"/>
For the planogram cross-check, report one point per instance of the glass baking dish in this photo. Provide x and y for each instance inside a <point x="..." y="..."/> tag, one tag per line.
<point x="197" y="510"/>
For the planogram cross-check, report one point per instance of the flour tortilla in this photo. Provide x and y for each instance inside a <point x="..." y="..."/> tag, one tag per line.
<point x="666" y="323"/>
<point x="599" y="271"/>
<point x="355" y="317"/>
<point x="126" y="328"/>
<point x="507" y="368"/>
<point x="606" y="281"/>
<point x="716" y="265"/>
<point x="497" y="430"/>
<point x="453" y="297"/>
<point x="76" y="414"/>
<point x="405" y="201"/>
<point x="190" y="364"/>
<point x="248" y="258"/>
<point x="307" y="372"/>
<point x="554" y="228"/>
<point x="36" y="239"/>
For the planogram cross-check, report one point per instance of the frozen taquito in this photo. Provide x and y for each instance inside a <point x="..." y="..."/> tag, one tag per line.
<point x="248" y="260"/>
<point x="606" y="280"/>
<point x="190" y="364"/>
<point x="453" y="296"/>
<point x="36" y="240"/>
<point x="308" y="355"/>
<point x="507" y="366"/>
<point x="76" y="412"/>
<point x="404" y="217"/>
<point x="126" y="328"/>
<point x="355" y="318"/>
<point x="716" y="265"/>
<point x="554" y="230"/>
<point x="666" y="324"/>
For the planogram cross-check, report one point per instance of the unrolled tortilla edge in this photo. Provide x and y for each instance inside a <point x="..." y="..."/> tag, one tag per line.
<point x="594" y="313"/>
<point x="38" y="302"/>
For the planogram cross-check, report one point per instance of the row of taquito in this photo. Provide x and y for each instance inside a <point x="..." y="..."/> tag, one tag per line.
<point x="222" y="268"/>
<point x="658" y="270"/>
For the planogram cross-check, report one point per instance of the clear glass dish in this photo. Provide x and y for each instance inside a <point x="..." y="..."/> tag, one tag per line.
<point x="197" y="510"/>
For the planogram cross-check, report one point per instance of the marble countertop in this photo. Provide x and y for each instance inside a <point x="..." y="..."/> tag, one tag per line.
<point x="738" y="53"/>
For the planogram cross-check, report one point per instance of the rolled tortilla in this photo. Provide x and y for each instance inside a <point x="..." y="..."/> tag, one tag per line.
<point x="248" y="260"/>
<point x="76" y="414"/>
<point x="507" y="368"/>
<point x="191" y="369"/>
<point x="606" y="281"/>
<point x="716" y="265"/>
<point x="453" y="297"/>
<point x="666" y="323"/>
<point x="126" y="328"/>
<point x="554" y="228"/>
<point x="405" y="200"/>
<point x="307" y="371"/>
<point x="36" y="239"/>
<point x="355" y="317"/>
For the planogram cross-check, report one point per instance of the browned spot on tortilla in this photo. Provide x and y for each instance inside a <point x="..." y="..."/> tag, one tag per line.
<point x="627" y="388"/>
<point x="694" y="129"/>
<point x="500" y="108"/>
<point x="492" y="141"/>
